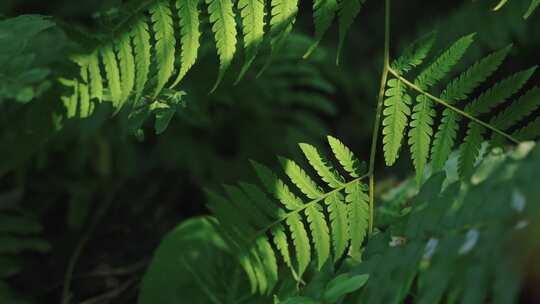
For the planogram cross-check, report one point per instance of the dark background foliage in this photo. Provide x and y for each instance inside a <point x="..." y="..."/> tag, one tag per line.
<point x="94" y="179"/>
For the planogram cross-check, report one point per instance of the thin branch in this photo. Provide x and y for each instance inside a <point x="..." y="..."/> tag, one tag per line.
<point x="377" y="123"/>
<point x="455" y="109"/>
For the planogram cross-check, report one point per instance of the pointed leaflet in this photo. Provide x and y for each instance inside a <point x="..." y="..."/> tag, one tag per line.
<point x="414" y="54"/>
<point x="518" y="110"/>
<point x="458" y="90"/>
<point x="277" y="187"/>
<point x="96" y="82"/>
<point x="283" y="15"/>
<point x="347" y="11"/>
<point x="338" y="222"/>
<point x="497" y="94"/>
<point x="300" y="179"/>
<point x="397" y="105"/>
<point x="326" y="172"/>
<point x="252" y="13"/>
<point x="423" y="113"/>
<point x="141" y="48"/>
<point x="301" y="242"/>
<point x="224" y="28"/>
<point x="396" y="113"/>
<point x="188" y="14"/>
<point x="358" y="207"/>
<point x="346" y="158"/>
<point x="127" y="65"/>
<point x="165" y="42"/>
<point x="85" y="105"/>
<point x="113" y="75"/>
<point x="319" y="233"/>
<point x="532" y="7"/>
<point x="324" y="12"/>
<point x="268" y="261"/>
<point x="529" y="132"/>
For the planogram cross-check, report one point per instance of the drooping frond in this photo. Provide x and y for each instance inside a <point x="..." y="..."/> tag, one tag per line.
<point x="397" y="109"/>
<point x="188" y="12"/>
<point x="289" y="219"/>
<point x="347" y="12"/>
<point x="162" y="20"/>
<point x="252" y="13"/>
<point x="458" y="90"/>
<point x="423" y="113"/>
<point x="224" y="28"/>
<point x="141" y="47"/>
<point x="324" y="12"/>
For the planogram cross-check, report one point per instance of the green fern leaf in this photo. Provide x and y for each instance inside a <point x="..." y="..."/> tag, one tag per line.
<point x="423" y="113"/>
<point x="415" y="53"/>
<point x="300" y="179"/>
<point x="280" y="239"/>
<point x="358" y="215"/>
<point x="252" y="13"/>
<point x="142" y="48"/>
<point x="534" y="4"/>
<point x="346" y="158"/>
<point x="326" y="172"/>
<point x="242" y="202"/>
<point x="283" y="16"/>
<point x="268" y="262"/>
<point x="301" y="242"/>
<point x="470" y="150"/>
<point x="519" y="109"/>
<point x="190" y="35"/>
<point x="86" y="107"/>
<point x="259" y="198"/>
<point x="224" y="28"/>
<point x="319" y="232"/>
<point x="113" y="75"/>
<point x="339" y="223"/>
<point x="529" y="132"/>
<point x="347" y="12"/>
<point x="165" y="42"/>
<point x="127" y="65"/>
<point x="277" y="187"/>
<point x="96" y="82"/>
<point x="324" y="12"/>
<point x="396" y="113"/>
<point x="497" y="94"/>
<point x="70" y="102"/>
<point x="458" y="90"/>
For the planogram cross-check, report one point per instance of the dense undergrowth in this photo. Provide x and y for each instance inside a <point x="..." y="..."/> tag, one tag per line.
<point x="121" y="120"/>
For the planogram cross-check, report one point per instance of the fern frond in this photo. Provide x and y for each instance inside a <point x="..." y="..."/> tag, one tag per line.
<point x="519" y="109"/>
<point x="319" y="232"/>
<point x="415" y="53"/>
<point x="347" y="12"/>
<point x="326" y="172"/>
<point x="346" y="158"/>
<point x="534" y="4"/>
<point x="423" y="113"/>
<point x="224" y="28"/>
<point x="324" y="12"/>
<point x="96" y="81"/>
<point x="458" y="90"/>
<point x="142" y="49"/>
<point x="396" y="113"/>
<point x="497" y="94"/>
<point x="358" y="215"/>
<point x="126" y="62"/>
<point x="162" y="21"/>
<point x="271" y="226"/>
<point x="252" y="13"/>
<point x="113" y="75"/>
<point x="188" y="13"/>
<point x="529" y="132"/>
<point x="339" y="223"/>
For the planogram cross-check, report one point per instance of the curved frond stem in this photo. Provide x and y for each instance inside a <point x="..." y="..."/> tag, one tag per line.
<point x="307" y="205"/>
<point x="453" y="108"/>
<point x="376" y="126"/>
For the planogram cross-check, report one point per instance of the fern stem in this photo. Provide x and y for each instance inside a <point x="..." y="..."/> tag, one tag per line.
<point x="377" y="124"/>
<point x="453" y="108"/>
<point x="306" y="205"/>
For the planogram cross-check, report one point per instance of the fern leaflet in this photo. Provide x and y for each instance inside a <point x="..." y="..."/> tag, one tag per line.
<point x="165" y="42"/>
